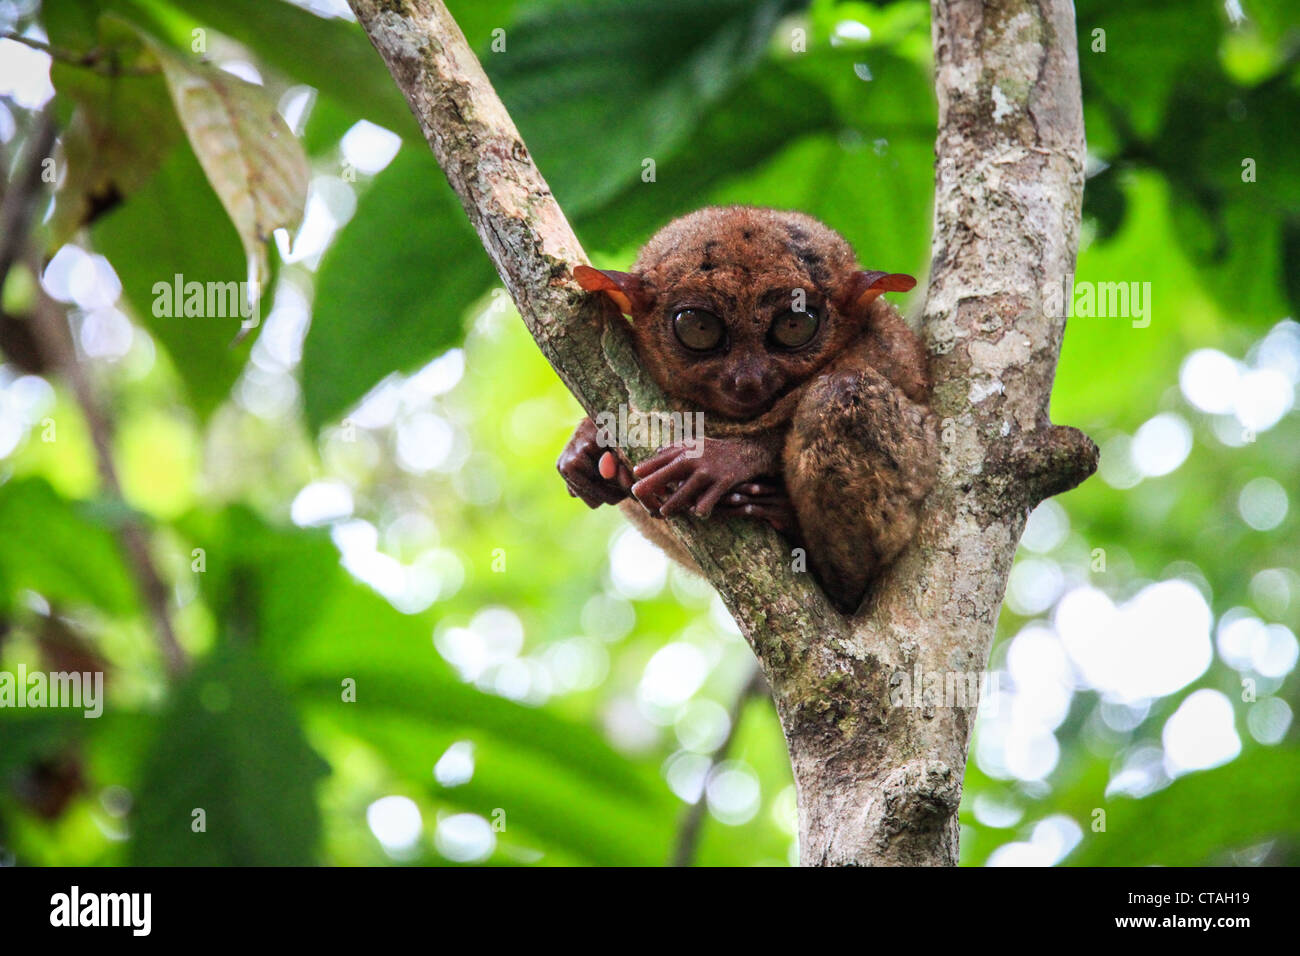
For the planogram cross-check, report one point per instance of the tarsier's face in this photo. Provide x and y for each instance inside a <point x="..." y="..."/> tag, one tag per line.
<point x="734" y="307"/>
<point x="735" y="339"/>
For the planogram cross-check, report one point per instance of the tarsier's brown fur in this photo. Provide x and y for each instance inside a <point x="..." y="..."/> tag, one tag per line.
<point x="832" y="442"/>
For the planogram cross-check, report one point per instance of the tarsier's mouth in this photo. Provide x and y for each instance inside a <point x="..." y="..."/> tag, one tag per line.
<point x="741" y="409"/>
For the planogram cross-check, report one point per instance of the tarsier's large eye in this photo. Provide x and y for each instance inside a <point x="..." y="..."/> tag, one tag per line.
<point x="792" y="329"/>
<point x="698" y="330"/>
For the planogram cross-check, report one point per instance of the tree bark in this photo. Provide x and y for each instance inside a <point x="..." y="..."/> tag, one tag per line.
<point x="877" y="708"/>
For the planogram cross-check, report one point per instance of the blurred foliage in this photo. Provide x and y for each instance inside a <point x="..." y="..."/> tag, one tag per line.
<point x="408" y="644"/>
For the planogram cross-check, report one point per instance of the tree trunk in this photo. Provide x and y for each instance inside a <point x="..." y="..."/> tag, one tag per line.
<point x="877" y="708"/>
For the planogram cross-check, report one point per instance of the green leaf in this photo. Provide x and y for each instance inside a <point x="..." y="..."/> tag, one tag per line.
<point x="251" y="158"/>
<point x="768" y="111"/>
<point x="599" y="87"/>
<point x="1200" y="816"/>
<point x="175" y="226"/>
<point x="545" y="806"/>
<point x="1241" y="179"/>
<point x="27" y="736"/>
<point x="117" y="135"/>
<point x="230" y="746"/>
<point x="393" y="288"/>
<point x="53" y="547"/>
<point x="426" y="693"/>
<point x="1136" y="71"/>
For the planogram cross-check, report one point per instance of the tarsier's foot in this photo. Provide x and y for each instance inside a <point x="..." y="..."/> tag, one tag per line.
<point x="593" y="473"/>
<point x="765" y="500"/>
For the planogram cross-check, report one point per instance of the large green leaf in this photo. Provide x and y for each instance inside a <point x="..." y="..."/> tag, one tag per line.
<point x="230" y="746"/>
<point x="1200" y="817"/>
<point x="1179" y="108"/>
<point x="175" y="226"/>
<point x="599" y="87"/>
<point x="57" y="549"/>
<point x="545" y="807"/>
<point x="121" y="128"/>
<point x="768" y="111"/>
<point x="1134" y="69"/>
<point x="332" y="55"/>
<point x="393" y="288"/>
<point x="252" y="160"/>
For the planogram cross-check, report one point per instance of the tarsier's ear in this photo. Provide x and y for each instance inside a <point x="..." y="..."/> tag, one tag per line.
<point x="623" y="288"/>
<point x="866" y="286"/>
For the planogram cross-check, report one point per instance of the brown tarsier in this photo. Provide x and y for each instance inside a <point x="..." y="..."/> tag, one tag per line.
<point x="814" y="389"/>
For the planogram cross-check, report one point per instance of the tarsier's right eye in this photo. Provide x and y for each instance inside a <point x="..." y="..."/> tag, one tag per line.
<point x="792" y="330"/>
<point x="698" y="330"/>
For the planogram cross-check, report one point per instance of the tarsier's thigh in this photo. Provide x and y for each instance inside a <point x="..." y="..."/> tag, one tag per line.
<point x="859" y="459"/>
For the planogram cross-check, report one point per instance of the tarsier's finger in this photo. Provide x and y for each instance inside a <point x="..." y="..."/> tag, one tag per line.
<point x="756" y="488"/>
<point x="624" y="477"/>
<point x="657" y="482"/>
<point x="737" y="498"/>
<point x="608" y="465"/>
<point x="709" y="500"/>
<point x="594" y="497"/>
<point x="592" y="491"/>
<point x="778" y="517"/>
<point x="681" y="498"/>
<point x="585" y="446"/>
<point x="654" y="498"/>
<point x="612" y="469"/>
<point x="656" y="461"/>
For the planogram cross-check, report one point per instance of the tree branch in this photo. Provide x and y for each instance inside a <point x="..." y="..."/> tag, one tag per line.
<point x="534" y="250"/>
<point x="878" y="771"/>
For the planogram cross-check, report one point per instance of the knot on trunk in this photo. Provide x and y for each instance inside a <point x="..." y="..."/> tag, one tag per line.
<point x="919" y="796"/>
<point x="1041" y="464"/>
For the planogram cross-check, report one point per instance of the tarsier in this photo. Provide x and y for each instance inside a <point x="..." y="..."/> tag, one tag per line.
<point x="814" y="389"/>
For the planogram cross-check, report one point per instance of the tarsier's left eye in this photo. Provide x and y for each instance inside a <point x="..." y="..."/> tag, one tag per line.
<point x="698" y="330"/>
<point x="792" y="329"/>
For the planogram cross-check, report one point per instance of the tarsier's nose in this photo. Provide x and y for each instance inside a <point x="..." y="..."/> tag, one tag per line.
<point x="746" y="385"/>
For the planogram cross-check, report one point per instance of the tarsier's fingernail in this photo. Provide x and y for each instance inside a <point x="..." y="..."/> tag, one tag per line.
<point x="608" y="465"/>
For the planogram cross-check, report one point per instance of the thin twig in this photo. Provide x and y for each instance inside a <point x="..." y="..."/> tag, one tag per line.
<point x="688" y="835"/>
<point x="99" y="59"/>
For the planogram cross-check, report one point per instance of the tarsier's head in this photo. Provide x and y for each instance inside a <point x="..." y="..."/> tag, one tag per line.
<point x="732" y="307"/>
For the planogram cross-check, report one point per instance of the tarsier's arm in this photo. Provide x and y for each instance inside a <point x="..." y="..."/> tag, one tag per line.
<point x="726" y="477"/>
<point x="731" y="478"/>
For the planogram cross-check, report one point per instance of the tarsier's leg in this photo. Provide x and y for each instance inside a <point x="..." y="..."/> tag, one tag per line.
<point x="859" y="459"/>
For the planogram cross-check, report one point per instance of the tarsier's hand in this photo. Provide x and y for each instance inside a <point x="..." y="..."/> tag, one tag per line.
<point x="683" y="476"/>
<point x="594" y="474"/>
